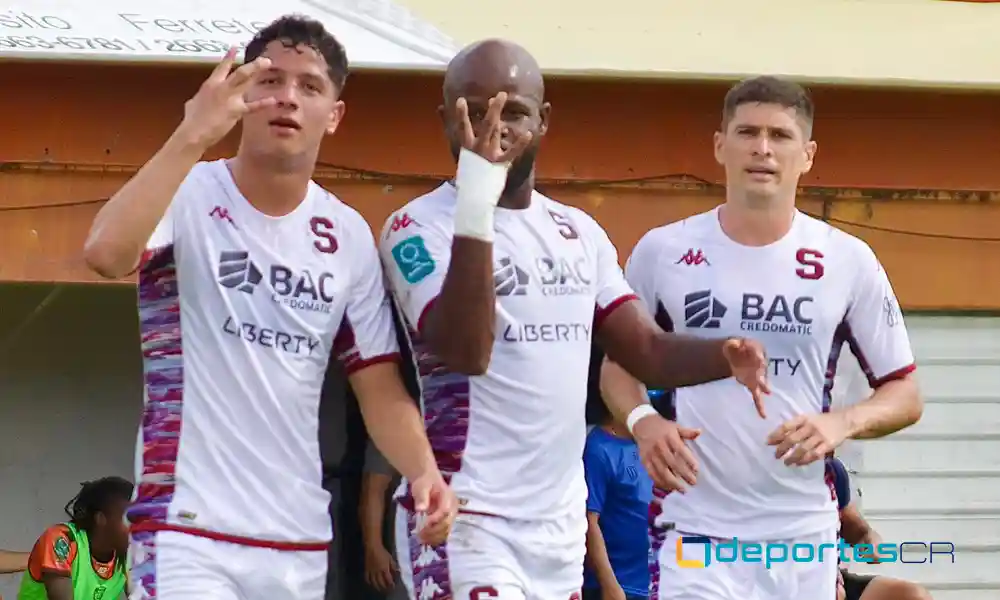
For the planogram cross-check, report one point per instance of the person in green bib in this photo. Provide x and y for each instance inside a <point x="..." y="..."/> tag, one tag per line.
<point x="83" y="558"/>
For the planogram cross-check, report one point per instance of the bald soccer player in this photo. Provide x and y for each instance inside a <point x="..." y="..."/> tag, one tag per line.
<point x="502" y="290"/>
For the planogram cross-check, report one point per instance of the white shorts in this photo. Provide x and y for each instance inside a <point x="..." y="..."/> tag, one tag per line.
<point x="167" y="565"/>
<point x="741" y="580"/>
<point x="493" y="558"/>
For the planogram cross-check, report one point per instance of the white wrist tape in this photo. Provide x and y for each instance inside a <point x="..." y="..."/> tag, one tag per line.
<point x="639" y="412"/>
<point x="479" y="183"/>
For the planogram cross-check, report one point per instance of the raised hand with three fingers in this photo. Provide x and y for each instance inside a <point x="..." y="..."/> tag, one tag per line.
<point x="220" y="102"/>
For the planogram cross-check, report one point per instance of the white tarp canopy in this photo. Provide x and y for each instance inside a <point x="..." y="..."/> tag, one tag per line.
<point x="377" y="34"/>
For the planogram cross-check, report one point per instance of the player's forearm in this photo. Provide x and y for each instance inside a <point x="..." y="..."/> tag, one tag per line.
<point x="13" y="562"/>
<point x="371" y="509"/>
<point x="621" y="392"/>
<point x="657" y="358"/>
<point x="397" y="428"/>
<point x="402" y="440"/>
<point x="125" y="223"/>
<point x="893" y="406"/>
<point x="671" y="360"/>
<point x="460" y="325"/>
<point x="597" y="555"/>
<point x="853" y="527"/>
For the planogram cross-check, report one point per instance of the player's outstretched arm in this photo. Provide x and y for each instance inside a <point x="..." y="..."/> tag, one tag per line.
<point x="630" y="337"/>
<point x="13" y="562"/>
<point x="669" y="360"/>
<point x="126" y="222"/>
<point x="660" y="359"/>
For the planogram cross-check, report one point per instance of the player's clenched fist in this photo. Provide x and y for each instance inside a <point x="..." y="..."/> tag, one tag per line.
<point x="220" y="103"/>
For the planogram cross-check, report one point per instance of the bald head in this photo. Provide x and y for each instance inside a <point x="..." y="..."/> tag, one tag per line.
<point x="489" y="67"/>
<point x="479" y="73"/>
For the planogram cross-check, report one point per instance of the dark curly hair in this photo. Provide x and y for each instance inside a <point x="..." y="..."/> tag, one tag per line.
<point x="97" y="496"/>
<point x="299" y="30"/>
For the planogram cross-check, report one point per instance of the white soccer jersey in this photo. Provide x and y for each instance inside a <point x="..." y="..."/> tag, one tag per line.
<point x="511" y="439"/>
<point x="803" y="297"/>
<point x="240" y="313"/>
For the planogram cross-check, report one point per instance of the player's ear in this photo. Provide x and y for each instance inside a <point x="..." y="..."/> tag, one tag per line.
<point x="544" y="112"/>
<point x="810" y="151"/>
<point x="718" y="141"/>
<point x="446" y="125"/>
<point x="100" y="519"/>
<point x="336" y="116"/>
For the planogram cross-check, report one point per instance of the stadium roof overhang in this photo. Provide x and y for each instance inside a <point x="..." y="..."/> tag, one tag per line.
<point x="922" y="43"/>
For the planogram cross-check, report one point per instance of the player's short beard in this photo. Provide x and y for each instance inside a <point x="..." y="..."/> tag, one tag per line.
<point x="520" y="170"/>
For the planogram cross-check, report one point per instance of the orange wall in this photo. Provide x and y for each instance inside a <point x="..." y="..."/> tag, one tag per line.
<point x="70" y="122"/>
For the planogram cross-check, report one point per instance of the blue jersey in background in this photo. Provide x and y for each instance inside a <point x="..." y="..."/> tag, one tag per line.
<point x="619" y="490"/>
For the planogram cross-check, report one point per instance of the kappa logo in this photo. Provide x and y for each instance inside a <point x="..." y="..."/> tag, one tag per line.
<point x="510" y="279"/>
<point x="237" y="271"/>
<point x="693" y="258"/>
<point x="891" y="310"/>
<point x="402" y="222"/>
<point x="222" y="213"/>
<point x="702" y="311"/>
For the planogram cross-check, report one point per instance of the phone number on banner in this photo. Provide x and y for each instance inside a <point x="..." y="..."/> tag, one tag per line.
<point x="136" y="46"/>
